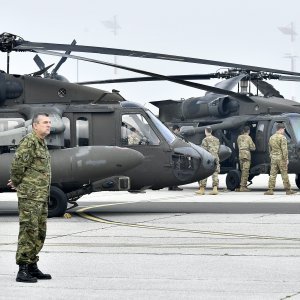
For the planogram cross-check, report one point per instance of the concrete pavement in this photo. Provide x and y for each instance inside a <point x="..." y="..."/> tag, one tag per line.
<point x="104" y="253"/>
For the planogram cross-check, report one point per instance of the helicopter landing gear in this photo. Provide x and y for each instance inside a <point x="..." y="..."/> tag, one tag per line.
<point x="233" y="179"/>
<point x="58" y="202"/>
<point x="297" y="180"/>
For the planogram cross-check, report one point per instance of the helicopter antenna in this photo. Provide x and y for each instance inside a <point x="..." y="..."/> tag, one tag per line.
<point x="7" y="62"/>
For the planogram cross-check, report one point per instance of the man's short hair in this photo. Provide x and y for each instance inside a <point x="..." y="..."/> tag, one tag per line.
<point x="246" y="129"/>
<point x="36" y="116"/>
<point x="280" y="126"/>
<point x="208" y="129"/>
<point x="175" y="127"/>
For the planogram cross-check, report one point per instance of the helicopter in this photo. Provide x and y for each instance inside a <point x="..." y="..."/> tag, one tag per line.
<point x="227" y="111"/>
<point x="90" y="136"/>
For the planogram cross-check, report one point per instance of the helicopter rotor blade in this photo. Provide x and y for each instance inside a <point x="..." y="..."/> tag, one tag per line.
<point x="42" y="71"/>
<point x="266" y="89"/>
<point x="39" y="62"/>
<point x="22" y="45"/>
<point x="62" y="60"/>
<point x="208" y="88"/>
<point x="289" y="78"/>
<point x="143" y="79"/>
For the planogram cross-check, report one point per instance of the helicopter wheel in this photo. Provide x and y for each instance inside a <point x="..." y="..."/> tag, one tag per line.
<point x="297" y="180"/>
<point x="58" y="202"/>
<point x="233" y="179"/>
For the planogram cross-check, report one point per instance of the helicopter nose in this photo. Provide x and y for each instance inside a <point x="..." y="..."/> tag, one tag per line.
<point x="208" y="162"/>
<point x="224" y="152"/>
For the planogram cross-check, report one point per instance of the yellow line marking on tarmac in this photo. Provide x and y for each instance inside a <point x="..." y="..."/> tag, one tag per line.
<point x="82" y="213"/>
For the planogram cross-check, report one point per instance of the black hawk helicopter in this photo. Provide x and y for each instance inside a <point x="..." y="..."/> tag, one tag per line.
<point x="227" y="112"/>
<point x="95" y="134"/>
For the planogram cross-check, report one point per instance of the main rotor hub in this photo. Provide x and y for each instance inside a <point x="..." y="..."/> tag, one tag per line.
<point x="8" y="41"/>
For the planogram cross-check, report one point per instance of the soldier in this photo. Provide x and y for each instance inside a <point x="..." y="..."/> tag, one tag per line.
<point x="176" y="129"/>
<point x="212" y="145"/>
<point x="133" y="138"/>
<point x="279" y="160"/>
<point x="31" y="177"/>
<point x="245" y="145"/>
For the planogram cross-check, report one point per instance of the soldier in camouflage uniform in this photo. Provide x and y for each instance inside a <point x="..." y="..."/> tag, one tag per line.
<point x="212" y="145"/>
<point x="133" y="138"/>
<point x="31" y="177"/>
<point x="245" y="144"/>
<point x="279" y="160"/>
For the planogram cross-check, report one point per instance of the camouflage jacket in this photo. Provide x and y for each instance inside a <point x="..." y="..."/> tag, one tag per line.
<point x="278" y="147"/>
<point x="212" y="145"/>
<point x="133" y="140"/>
<point x="30" y="169"/>
<point x="245" y="145"/>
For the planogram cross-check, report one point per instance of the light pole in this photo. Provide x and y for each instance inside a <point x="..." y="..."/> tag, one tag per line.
<point x="114" y="26"/>
<point x="290" y="30"/>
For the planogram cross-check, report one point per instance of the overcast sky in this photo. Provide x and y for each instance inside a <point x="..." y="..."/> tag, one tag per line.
<point x="236" y="31"/>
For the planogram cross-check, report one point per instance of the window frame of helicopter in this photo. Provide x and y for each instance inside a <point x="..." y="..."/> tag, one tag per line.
<point x="137" y="123"/>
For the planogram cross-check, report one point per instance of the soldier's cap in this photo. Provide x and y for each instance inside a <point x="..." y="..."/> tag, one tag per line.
<point x="280" y="126"/>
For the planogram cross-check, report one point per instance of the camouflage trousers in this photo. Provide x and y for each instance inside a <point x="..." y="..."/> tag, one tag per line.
<point x="277" y="166"/>
<point x="215" y="178"/>
<point x="32" y="230"/>
<point x="245" y="167"/>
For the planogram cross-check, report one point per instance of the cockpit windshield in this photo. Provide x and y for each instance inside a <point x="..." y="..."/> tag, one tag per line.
<point x="167" y="134"/>
<point x="295" y="122"/>
<point x="136" y="130"/>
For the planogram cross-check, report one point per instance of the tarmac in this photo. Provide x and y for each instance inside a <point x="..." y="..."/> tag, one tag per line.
<point x="164" y="245"/>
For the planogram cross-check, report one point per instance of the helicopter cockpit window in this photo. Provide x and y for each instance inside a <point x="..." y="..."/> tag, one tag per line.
<point x="286" y="132"/>
<point x="82" y="132"/>
<point x="67" y="141"/>
<point x="10" y="123"/>
<point x="295" y="122"/>
<point x="136" y="130"/>
<point x="164" y="130"/>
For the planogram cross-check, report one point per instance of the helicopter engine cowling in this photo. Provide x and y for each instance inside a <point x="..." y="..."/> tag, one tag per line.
<point x="194" y="108"/>
<point x="222" y="107"/>
<point x="9" y="88"/>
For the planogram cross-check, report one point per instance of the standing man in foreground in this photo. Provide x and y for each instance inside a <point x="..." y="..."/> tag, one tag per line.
<point x="31" y="177"/>
<point x="279" y="160"/>
<point x="245" y="144"/>
<point x="211" y="144"/>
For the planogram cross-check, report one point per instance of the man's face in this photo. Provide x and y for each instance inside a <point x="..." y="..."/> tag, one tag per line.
<point x="281" y="130"/>
<point x="42" y="126"/>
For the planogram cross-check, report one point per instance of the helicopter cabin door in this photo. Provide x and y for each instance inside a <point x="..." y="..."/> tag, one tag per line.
<point x="89" y="129"/>
<point x="77" y="129"/>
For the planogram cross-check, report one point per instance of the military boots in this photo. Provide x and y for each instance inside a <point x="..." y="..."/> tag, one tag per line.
<point x="269" y="192"/>
<point x="201" y="191"/>
<point x="290" y="192"/>
<point x="24" y="275"/>
<point x="34" y="271"/>
<point x="214" y="191"/>
<point x="244" y="189"/>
